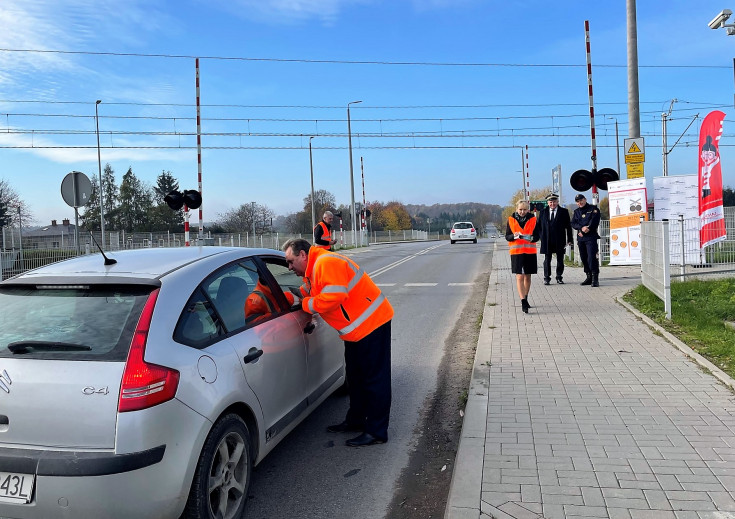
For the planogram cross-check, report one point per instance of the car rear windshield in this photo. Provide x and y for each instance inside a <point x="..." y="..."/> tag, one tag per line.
<point x="76" y="322"/>
<point x="463" y="225"/>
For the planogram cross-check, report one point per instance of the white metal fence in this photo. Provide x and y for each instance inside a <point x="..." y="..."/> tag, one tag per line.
<point x="655" y="261"/>
<point x="21" y="251"/>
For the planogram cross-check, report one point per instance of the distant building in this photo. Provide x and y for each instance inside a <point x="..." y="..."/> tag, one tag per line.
<point x="54" y="236"/>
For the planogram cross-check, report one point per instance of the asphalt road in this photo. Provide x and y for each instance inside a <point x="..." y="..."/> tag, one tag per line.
<point x="312" y="474"/>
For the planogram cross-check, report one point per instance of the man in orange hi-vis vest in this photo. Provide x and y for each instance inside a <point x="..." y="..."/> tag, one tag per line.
<point x="336" y="288"/>
<point x="323" y="232"/>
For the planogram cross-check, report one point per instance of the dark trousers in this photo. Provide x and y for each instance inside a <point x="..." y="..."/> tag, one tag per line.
<point x="588" y="252"/>
<point x="367" y="362"/>
<point x="559" y="264"/>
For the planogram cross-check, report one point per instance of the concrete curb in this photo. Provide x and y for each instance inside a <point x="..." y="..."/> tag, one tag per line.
<point x="465" y="491"/>
<point x="696" y="357"/>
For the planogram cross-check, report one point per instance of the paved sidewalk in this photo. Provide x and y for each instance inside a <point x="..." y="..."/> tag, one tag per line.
<point x="580" y="409"/>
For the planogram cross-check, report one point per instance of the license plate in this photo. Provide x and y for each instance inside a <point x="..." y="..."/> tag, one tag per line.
<point x="16" y="487"/>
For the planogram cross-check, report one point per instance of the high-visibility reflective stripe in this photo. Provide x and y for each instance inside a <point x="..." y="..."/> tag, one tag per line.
<point x="337" y="256"/>
<point x="331" y="289"/>
<point x="355" y="280"/>
<point x="522" y="246"/>
<point x="311" y="306"/>
<point x="264" y="298"/>
<point x="370" y="310"/>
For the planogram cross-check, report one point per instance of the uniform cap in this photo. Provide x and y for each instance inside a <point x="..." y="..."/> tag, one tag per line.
<point x="552" y="196"/>
<point x="579" y="197"/>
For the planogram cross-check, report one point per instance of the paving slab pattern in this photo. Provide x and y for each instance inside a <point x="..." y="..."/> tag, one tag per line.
<point x="580" y="409"/>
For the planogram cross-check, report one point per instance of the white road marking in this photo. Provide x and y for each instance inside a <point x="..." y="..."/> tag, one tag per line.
<point x="400" y="261"/>
<point x="460" y="284"/>
<point x="385" y="284"/>
<point x="420" y="284"/>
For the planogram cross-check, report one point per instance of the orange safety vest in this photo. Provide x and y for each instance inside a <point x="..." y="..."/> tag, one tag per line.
<point x="325" y="233"/>
<point x="344" y="295"/>
<point x="261" y="303"/>
<point x="520" y="245"/>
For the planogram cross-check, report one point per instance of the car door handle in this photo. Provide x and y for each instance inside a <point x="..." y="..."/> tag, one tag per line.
<point x="252" y="355"/>
<point x="309" y="328"/>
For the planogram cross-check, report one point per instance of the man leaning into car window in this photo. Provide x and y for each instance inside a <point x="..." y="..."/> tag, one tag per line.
<point x="336" y="288"/>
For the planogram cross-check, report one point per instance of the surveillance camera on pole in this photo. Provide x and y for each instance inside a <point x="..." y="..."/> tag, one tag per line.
<point x="718" y="21"/>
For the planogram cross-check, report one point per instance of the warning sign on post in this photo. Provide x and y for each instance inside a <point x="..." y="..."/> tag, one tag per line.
<point x="635" y="157"/>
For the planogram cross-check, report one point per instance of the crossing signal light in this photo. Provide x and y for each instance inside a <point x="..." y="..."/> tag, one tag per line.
<point x="174" y="200"/>
<point x="582" y="179"/>
<point x="189" y="198"/>
<point x="192" y="199"/>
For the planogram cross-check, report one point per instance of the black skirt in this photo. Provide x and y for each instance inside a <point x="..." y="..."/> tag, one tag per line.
<point x="523" y="264"/>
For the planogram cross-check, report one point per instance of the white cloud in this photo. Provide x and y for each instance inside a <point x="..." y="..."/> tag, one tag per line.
<point x="288" y="11"/>
<point x="70" y="25"/>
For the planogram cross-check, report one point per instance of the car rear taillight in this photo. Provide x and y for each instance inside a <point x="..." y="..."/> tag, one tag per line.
<point x="472" y="230"/>
<point x="145" y="385"/>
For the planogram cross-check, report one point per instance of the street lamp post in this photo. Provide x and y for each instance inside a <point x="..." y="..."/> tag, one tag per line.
<point x="352" y="179"/>
<point x="99" y="166"/>
<point x="311" y="167"/>
<point x="617" y="145"/>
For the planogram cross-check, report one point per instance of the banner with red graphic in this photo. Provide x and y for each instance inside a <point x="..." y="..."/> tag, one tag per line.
<point x="711" y="214"/>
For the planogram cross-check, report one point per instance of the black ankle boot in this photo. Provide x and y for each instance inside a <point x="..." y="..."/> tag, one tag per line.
<point x="587" y="281"/>
<point x="524" y="306"/>
<point x="595" y="280"/>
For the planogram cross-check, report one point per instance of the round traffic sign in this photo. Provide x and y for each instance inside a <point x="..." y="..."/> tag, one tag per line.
<point x="76" y="189"/>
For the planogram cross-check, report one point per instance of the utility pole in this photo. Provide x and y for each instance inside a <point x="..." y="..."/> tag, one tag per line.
<point x="634" y="114"/>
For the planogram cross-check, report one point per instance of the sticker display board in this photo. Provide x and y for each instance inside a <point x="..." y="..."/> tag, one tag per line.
<point x="627" y="204"/>
<point x="674" y="196"/>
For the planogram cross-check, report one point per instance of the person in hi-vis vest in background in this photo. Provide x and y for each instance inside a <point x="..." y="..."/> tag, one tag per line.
<point x="522" y="234"/>
<point x="336" y="288"/>
<point x="323" y="232"/>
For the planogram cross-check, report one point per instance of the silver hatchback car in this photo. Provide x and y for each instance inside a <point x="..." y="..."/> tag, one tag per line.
<point x="150" y="387"/>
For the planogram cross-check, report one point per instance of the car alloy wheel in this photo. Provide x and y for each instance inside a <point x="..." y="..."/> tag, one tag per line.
<point x="222" y="477"/>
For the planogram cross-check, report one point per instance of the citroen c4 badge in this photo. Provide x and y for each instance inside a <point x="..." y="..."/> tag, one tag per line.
<point x="5" y="381"/>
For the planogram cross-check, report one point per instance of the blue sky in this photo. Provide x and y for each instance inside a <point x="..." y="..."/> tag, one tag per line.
<point x="427" y="133"/>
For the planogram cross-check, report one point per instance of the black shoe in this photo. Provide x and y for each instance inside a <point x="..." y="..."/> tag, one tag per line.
<point x="595" y="281"/>
<point x="525" y="306"/>
<point x="363" y="440"/>
<point x="560" y="281"/>
<point x="547" y="281"/>
<point x="587" y="281"/>
<point x="344" y="427"/>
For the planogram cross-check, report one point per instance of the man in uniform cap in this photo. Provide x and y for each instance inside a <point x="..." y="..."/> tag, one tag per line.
<point x="585" y="221"/>
<point x="556" y="234"/>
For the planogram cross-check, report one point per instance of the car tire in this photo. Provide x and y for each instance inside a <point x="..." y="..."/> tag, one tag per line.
<point x="453" y="241"/>
<point x="231" y="437"/>
<point x="474" y="241"/>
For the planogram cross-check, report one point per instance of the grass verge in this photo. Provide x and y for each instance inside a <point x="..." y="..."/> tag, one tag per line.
<point x="699" y="311"/>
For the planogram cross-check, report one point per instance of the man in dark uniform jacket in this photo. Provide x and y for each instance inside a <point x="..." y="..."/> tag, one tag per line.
<point x="556" y="234"/>
<point x="585" y="221"/>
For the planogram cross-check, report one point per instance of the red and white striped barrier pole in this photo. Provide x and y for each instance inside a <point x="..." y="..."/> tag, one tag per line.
<point x="186" y="226"/>
<point x="363" y="224"/>
<point x="199" y="153"/>
<point x="595" y="194"/>
<point x="528" y="179"/>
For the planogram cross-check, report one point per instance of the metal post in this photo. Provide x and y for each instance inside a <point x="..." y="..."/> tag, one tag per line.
<point x="20" y="239"/>
<point x="352" y="179"/>
<point x="683" y="249"/>
<point x="666" y="266"/>
<point x="313" y="214"/>
<point x="664" y="145"/>
<point x="634" y="114"/>
<point x="254" y="233"/>
<point x="99" y="166"/>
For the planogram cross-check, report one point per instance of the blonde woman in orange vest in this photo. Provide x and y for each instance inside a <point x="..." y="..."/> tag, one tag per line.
<point x="522" y="234"/>
<point x="336" y="288"/>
